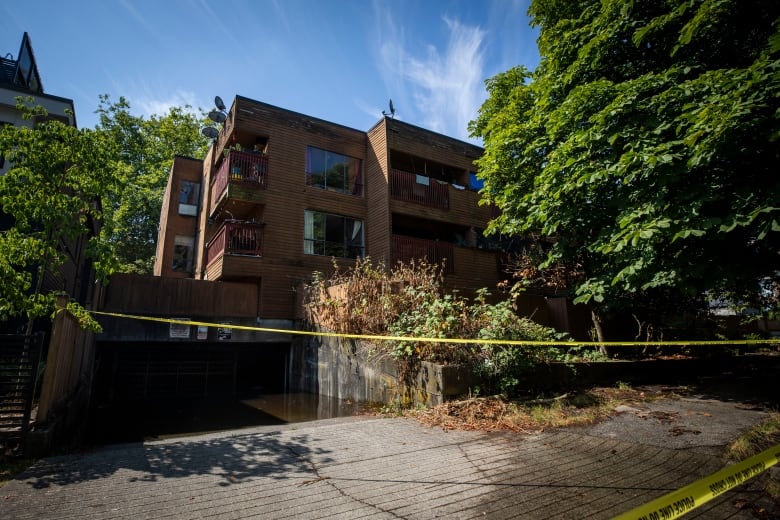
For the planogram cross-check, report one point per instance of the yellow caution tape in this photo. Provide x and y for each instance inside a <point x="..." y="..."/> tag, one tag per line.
<point x="444" y="340"/>
<point x="677" y="503"/>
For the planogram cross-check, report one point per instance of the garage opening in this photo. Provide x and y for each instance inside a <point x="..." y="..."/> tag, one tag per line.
<point x="155" y="390"/>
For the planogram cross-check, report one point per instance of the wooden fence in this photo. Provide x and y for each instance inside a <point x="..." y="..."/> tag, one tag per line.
<point x="162" y="296"/>
<point x="68" y="368"/>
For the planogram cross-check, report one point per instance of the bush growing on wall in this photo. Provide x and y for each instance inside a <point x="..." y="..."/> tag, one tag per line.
<point x="409" y="301"/>
<point x="368" y="297"/>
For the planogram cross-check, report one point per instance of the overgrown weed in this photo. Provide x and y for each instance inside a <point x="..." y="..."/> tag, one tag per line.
<point x="759" y="438"/>
<point x="409" y="301"/>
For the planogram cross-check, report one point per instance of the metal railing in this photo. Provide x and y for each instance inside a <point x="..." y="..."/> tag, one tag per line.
<point x="248" y="168"/>
<point x="419" y="189"/>
<point x="406" y="249"/>
<point x="236" y="238"/>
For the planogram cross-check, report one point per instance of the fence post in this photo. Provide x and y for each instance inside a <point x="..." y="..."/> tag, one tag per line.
<point x="57" y="361"/>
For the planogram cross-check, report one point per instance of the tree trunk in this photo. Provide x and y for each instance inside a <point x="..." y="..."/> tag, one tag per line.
<point x="599" y="332"/>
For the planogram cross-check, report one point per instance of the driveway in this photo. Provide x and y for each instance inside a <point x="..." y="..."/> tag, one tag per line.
<point x="364" y="467"/>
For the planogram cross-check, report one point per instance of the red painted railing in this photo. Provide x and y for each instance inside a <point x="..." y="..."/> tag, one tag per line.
<point x="428" y="191"/>
<point x="407" y="248"/>
<point x="236" y="238"/>
<point x="248" y="168"/>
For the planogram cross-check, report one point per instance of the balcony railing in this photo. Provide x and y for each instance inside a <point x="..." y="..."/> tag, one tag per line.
<point x="406" y="249"/>
<point x="247" y="168"/>
<point x="428" y="191"/>
<point x="236" y="238"/>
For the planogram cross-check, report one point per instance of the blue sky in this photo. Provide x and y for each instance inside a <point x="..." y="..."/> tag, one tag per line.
<point x="338" y="60"/>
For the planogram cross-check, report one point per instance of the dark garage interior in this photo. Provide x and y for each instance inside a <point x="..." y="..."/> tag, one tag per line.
<point x="147" y="390"/>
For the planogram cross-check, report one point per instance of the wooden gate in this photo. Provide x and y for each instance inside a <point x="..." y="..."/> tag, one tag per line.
<point x="19" y="359"/>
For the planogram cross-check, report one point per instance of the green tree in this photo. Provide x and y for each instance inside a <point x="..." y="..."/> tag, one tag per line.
<point x="645" y="146"/>
<point x="50" y="197"/>
<point x="146" y="149"/>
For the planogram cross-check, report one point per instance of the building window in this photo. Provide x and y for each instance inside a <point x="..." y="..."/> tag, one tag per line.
<point x="333" y="235"/>
<point x="183" y="247"/>
<point x="333" y="171"/>
<point x="188" y="198"/>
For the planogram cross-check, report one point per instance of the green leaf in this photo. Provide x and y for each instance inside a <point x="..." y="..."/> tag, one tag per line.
<point x="664" y="116"/>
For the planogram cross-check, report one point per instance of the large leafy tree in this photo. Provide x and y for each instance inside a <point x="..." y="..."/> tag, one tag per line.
<point x="645" y="147"/>
<point x="51" y="201"/>
<point x="146" y="150"/>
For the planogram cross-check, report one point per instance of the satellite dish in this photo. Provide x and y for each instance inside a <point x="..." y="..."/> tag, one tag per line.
<point x="217" y="116"/>
<point x="210" y="132"/>
<point x="219" y="103"/>
<point x="392" y="110"/>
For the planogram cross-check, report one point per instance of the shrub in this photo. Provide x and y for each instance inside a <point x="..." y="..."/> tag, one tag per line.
<point x="408" y="301"/>
<point x="368" y="297"/>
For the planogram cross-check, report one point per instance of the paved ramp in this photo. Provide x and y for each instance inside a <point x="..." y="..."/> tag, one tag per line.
<point x="395" y="468"/>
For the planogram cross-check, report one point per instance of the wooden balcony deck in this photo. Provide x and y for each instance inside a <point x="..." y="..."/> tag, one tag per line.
<point x="408" y="187"/>
<point x="236" y="238"/>
<point x="406" y="249"/>
<point x="246" y="169"/>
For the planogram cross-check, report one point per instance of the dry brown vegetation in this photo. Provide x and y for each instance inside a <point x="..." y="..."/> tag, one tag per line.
<point x="759" y="438"/>
<point x="533" y="415"/>
<point x="368" y="297"/>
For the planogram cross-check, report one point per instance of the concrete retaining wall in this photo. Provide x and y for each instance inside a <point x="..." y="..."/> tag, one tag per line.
<point x="349" y="369"/>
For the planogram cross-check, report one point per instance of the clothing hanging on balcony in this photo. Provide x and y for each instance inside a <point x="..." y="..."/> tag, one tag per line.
<point x="422" y="179"/>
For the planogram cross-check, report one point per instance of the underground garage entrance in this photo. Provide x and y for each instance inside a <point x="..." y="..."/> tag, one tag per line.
<point x="155" y="390"/>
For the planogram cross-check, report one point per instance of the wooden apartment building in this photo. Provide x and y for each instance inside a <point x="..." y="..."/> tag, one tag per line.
<point x="281" y="193"/>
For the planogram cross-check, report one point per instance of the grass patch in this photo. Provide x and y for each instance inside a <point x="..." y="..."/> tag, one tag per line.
<point x="759" y="438"/>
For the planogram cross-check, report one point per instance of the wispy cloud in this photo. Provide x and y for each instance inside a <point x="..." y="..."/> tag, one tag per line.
<point x="448" y="85"/>
<point x="160" y="106"/>
<point x="445" y="85"/>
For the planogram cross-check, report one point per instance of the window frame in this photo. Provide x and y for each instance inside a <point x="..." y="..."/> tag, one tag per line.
<point x="186" y="243"/>
<point x="320" y="162"/>
<point x="190" y="210"/>
<point x="320" y="228"/>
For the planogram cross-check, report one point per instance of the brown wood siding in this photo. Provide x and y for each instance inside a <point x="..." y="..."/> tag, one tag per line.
<point x="164" y="296"/>
<point x="162" y="230"/>
<point x="171" y="223"/>
<point x="201" y="239"/>
<point x="474" y="269"/>
<point x="430" y="145"/>
<point x="378" y="223"/>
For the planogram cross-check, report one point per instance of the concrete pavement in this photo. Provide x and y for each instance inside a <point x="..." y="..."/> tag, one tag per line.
<point x="364" y="467"/>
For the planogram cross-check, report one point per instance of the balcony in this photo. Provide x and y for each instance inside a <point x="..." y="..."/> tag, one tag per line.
<point x="247" y="170"/>
<point x="236" y="238"/>
<point x="406" y="249"/>
<point x="408" y="187"/>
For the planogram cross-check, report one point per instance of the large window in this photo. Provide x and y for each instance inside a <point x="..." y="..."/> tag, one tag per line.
<point x="332" y="235"/>
<point x="183" y="253"/>
<point x="188" y="198"/>
<point x="333" y="171"/>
